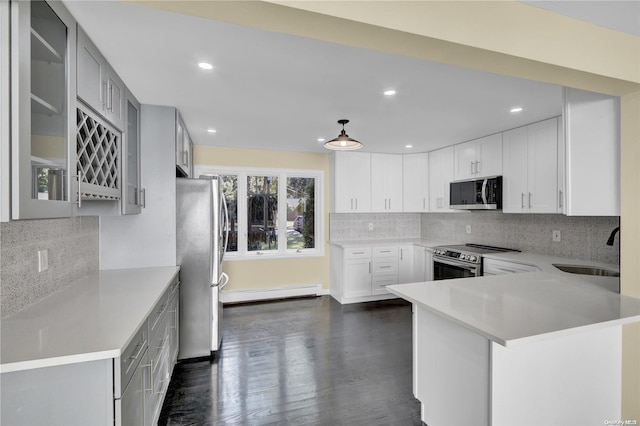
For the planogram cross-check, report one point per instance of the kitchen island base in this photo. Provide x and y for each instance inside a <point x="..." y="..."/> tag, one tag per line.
<point x="462" y="377"/>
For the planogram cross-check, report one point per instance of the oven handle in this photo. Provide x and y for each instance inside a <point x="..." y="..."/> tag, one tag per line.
<point x="469" y="266"/>
<point x="484" y="191"/>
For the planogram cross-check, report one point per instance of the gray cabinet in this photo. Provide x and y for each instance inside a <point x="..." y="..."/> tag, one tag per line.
<point x="42" y="109"/>
<point x="184" y="148"/>
<point x="5" y="88"/>
<point x="98" y="85"/>
<point x="132" y="192"/>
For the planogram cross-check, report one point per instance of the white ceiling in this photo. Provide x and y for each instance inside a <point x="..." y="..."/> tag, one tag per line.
<point x="279" y="92"/>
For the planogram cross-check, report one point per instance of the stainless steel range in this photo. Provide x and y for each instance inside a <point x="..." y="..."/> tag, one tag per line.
<point x="461" y="261"/>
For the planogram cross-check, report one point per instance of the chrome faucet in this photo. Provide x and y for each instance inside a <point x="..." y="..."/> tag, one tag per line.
<point x="612" y="236"/>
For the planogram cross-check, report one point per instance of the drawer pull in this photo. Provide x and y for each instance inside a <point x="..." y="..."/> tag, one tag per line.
<point x="141" y="347"/>
<point x="358" y="252"/>
<point x="385" y="267"/>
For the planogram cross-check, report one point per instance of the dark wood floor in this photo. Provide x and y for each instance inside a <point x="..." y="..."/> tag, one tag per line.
<point x="305" y="361"/>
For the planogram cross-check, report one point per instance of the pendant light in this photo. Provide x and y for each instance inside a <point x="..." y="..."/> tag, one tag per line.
<point x="343" y="142"/>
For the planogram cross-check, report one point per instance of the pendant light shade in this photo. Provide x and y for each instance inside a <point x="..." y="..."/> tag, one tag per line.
<point x="343" y="142"/>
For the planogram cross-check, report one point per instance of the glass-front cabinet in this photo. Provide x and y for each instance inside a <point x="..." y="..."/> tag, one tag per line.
<point x="132" y="193"/>
<point x="43" y="38"/>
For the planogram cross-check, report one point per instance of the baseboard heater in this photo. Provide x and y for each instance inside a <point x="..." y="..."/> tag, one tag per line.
<point x="253" y="295"/>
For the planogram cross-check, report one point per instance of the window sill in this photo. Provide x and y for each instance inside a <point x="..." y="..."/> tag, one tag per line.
<point x="272" y="256"/>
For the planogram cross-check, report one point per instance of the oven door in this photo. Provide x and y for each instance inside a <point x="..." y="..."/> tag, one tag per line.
<point x="446" y="269"/>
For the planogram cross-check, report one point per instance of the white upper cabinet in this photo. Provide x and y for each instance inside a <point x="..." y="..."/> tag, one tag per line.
<point x="415" y="182"/>
<point x="351" y="174"/>
<point x="592" y="138"/>
<point x="530" y="168"/>
<point x="386" y="182"/>
<point x="43" y="43"/>
<point x="184" y="148"/>
<point x="440" y="176"/>
<point x="479" y="158"/>
<point x="98" y="84"/>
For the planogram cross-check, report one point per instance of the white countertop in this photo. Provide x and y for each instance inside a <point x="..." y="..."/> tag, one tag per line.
<point x="92" y="319"/>
<point x="518" y="308"/>
<point x="387" y="242"/>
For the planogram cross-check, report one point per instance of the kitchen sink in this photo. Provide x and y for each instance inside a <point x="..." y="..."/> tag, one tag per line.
<point x="587" y="270"/>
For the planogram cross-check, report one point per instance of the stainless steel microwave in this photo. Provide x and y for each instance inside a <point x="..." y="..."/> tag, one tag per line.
<point x="476" y="194"/>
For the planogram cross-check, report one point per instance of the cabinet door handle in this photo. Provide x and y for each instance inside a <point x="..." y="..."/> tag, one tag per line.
<point x="356" y="204"/>
<point x="104" y="96"/>
<point x="143" y="197"/>
<point x="110" y="96"/>
<point x="522" y="200"/>
<point x="560" y="198"/>
<point x="529" y="200"/>
<point x="369" y="267"/>
<point x="477" y="167"/>
<point x="389" y="203"/>
<point x="471" y="167"/>
<point x="79" y="176"/>
<point x="150" y="366"/>
<point x="401" y="253"/>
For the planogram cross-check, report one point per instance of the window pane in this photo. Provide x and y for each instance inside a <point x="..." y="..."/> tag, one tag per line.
<point x="230" y="190"/>
<point x="262" y="213"/>
<point x="300" y="213"/>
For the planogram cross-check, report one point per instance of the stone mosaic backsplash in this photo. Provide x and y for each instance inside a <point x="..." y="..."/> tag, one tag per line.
<point x="581" y="237"/>
<point x="72" y="246"/>
<point x="355" y="226"/>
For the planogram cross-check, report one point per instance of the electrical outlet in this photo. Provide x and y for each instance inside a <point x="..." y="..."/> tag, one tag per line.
<point x="468" y="229"/>
<point x="43" y="260"/>
<point x="556" y="236"/>
<point x="370" y="226"/>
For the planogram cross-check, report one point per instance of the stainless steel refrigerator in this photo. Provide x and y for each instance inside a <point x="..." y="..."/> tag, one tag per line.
<point x="202" y="235"/>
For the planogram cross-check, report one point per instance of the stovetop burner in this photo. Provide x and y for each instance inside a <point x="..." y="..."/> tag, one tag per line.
<point x="470" y="253"/>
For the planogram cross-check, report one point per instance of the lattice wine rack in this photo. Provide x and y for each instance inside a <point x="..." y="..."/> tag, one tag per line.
<point x="98" y="148"/>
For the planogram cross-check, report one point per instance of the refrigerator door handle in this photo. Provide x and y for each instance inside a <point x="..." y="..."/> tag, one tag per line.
<point x="223" y="281"/>
<point x="226" y="227"/>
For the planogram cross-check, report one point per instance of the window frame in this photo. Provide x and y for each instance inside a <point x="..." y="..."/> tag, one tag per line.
<point x="282" y="251"/>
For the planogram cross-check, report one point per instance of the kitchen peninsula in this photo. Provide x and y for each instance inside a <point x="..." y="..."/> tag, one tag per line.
<point x="526" y="349"/>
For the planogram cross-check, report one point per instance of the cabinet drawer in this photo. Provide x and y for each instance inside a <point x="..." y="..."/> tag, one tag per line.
<point x="385" y="267"/>
<point x="132" y="355"/>
<point x="159" y="341"/>
<point x="499" y="267"/>
<point x="388" y="251"/>
<point x="357" y="253"/>
<point x="156" y="314"/>
<point x="379" y="284"/>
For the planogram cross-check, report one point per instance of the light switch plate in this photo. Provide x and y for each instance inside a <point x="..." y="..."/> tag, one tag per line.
<point x="370" y="226"/>
<point x="556" y="236"/>
<point x="43" y="260"/>
<point x="468" y="229"/>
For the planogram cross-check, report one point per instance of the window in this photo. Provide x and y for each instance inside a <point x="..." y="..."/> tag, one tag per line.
<point x="272" y="213"/>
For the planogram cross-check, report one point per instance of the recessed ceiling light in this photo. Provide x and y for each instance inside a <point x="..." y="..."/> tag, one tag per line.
<point x="389" y="92"/>
<point x="211" y="130"/>
<point x="321" y="139"/>
<point x="517" y="109"/>
<point x="205" y="66"/>
<point x="408" y="146"/>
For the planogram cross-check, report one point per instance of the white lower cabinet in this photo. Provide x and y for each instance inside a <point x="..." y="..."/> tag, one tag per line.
<point x="461" y="375"/>
<point x="406" y="264"/>
<point x="127" y="390"/>
<point x="130" y="409"/>
<point x="501" y="267"/>
<point x="361" y="274"/>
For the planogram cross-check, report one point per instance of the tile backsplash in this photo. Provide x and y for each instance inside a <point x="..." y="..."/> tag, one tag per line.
<point x="72" y="246"/>
<point x="581" y="237"/>
<point x="355" y="226"/>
